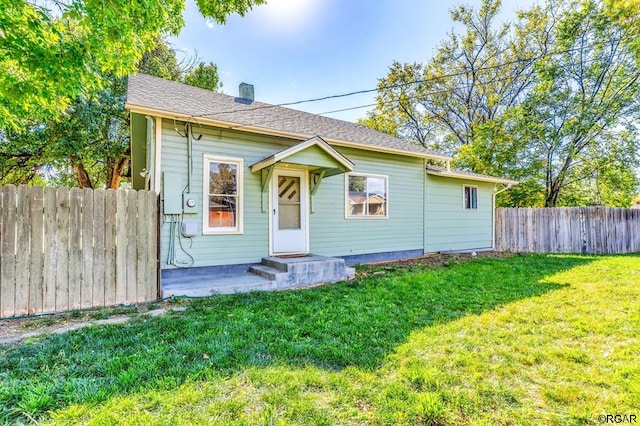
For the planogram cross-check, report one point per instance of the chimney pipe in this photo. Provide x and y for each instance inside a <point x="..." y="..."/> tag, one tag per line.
<point x="246" y="92"/>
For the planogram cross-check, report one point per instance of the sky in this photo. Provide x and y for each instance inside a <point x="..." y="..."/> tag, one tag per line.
<point x="293" y="50"/>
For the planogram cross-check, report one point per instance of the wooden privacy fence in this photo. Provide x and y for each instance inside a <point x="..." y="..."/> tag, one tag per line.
<point x="63" y="249"/>
<point x="597" y="230"/>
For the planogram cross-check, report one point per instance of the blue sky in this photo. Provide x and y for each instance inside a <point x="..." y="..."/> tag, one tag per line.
<point x="292" y="50"/>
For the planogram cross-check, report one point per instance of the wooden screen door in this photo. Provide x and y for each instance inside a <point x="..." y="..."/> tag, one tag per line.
<point x="289" y="211"/>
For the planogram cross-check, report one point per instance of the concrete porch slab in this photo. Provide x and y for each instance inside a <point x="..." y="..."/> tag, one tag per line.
<point x="274" y="273"/>
<point x="199" y="285"/>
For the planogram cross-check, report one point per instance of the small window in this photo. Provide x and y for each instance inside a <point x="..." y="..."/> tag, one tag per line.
<point x="366" y="196"/>
<point x="470" y="197"/>
<point x="223" y="201"/>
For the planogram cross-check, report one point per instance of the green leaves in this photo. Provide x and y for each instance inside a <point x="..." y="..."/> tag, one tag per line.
<point x="539" y="99"/>
<point x="219" y="10"/>
<point x="62" y="82"/>
<point x="49" y="57"/>
<point x="204" y="76"/>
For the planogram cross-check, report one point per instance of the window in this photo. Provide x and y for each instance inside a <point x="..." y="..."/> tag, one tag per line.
<point x="366" y="196"/>
<point x="470" y="197"/>
<point x="223" y="197"/>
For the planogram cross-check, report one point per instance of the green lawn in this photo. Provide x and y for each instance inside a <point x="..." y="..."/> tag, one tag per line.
<point x="519" y="340"/>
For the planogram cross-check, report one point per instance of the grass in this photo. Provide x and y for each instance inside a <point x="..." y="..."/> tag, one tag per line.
<point x="521" y="340"/>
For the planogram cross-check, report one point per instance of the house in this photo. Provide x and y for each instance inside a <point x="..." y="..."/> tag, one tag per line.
<point x="242" y="181"/>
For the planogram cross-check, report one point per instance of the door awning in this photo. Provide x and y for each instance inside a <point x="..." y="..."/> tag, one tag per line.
<point x="313" y="154"/>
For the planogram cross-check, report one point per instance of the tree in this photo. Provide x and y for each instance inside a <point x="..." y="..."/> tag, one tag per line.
<point x="161" y="61"/>
<point x="471" y="81"/>
<point x="627" y="14"/>
<point x="530" y="100"/>
<point x="204" y="76"/>
<point x="19" y="156"/>
<point x="88" y="145"/>
<point x="51" y="56"/>
<point x="584" y="93"/>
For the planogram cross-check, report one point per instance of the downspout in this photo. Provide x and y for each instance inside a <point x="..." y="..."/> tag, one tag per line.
<point x="150" y="171"/>
<point x="493" y="221"/>
<point x="189" y="158"/>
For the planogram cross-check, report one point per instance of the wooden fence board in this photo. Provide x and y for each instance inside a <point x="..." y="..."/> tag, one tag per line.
<point x="593" y="230"/>
<point x="88" y="230"/>
<point x="573" y="244"/>
<point x="634" y="230"/>
<point x="598" y="216"/>
<point x="75" y="248"/>
<point x="121" y="246"/>
<point x="50" y="258"/>
<point x="62" y="249"/>
<point x="620" y="234"/>
<point x="543" y="244"/>
<point x="23" y="234"/>
<point x="153" y="250"/>
<point x="99" y="248"/>
<point x="110" y="247"/>
<point x="7" y="252"/>
<point x="131" y="246"/>
<point x="36" y="282"/>
<point x="142" y="247"/>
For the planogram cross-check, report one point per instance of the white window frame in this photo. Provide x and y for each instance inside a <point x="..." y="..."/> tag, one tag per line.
<point x="239" y="162"/>
<point x="347" y="206"/>
<point x="464" y="203"/>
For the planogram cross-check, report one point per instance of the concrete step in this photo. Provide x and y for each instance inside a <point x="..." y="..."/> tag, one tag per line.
<point x="269" y="272"/>
<point x="276" y="263"/>
<point x="310" y="269"/>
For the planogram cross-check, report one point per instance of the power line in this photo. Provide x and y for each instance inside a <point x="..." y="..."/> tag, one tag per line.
<point x="412" y="97"/>
<point x="419" y="96"/>
<point x="346" y="109"/>
<point x="392" y="86"/>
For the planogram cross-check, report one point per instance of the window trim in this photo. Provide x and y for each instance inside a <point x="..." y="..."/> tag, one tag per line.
<point x="239" y="162"/>
<point x="464" y="204"/>
<point x="347" y="207"/>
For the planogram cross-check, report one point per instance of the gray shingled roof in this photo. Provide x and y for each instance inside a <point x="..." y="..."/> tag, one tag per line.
<point x="180" y="100"/>
<point x="438" y="170"/>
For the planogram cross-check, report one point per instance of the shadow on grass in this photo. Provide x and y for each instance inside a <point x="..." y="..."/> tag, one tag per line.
<point x="349" y="324"/>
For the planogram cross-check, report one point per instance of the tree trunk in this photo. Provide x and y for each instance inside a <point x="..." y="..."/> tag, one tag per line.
<point x="115" y="169"/>
<point x="81" y="174"/>
<point x="557" y="183"/>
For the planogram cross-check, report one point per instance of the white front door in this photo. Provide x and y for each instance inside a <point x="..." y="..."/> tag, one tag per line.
<point x="289" y="233"/>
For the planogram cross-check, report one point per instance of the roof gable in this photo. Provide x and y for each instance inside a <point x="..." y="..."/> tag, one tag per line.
<point x="322" y="156"/>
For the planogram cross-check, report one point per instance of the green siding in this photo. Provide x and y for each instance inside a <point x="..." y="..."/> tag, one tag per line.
<point x="312" y="156"/>
<point x="443" y="225"/>
<point x="332" y="234"/>
<point x="213" y="250"/>
<point x="138" y="149"/>
<point x="447" y="225"/>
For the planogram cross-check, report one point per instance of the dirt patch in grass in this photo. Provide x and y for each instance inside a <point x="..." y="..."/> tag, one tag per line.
<point x="15" y="330"/>
<point x="432" y="260"/>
